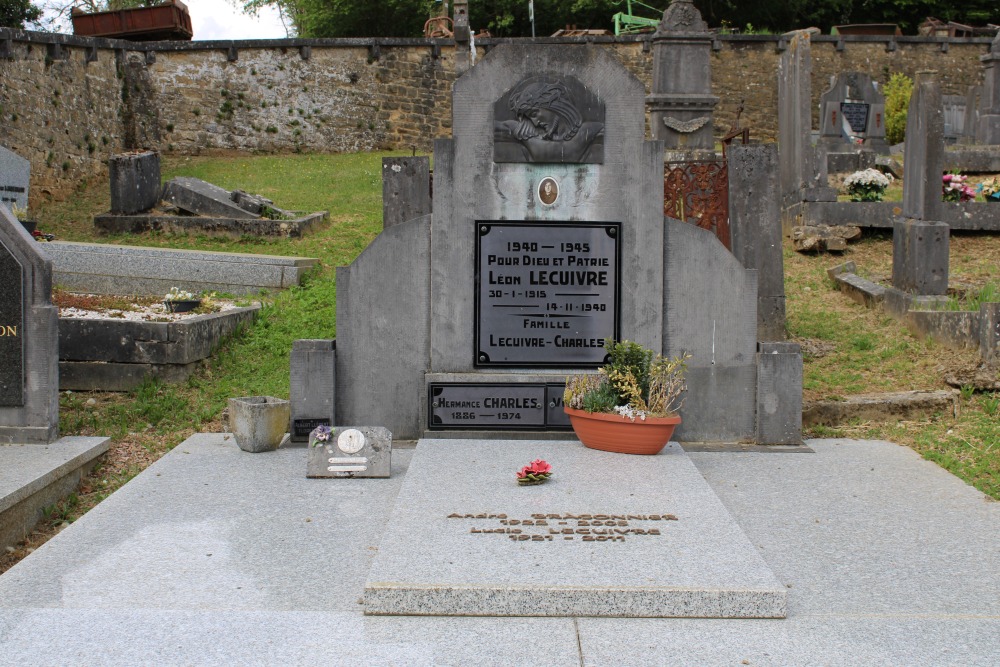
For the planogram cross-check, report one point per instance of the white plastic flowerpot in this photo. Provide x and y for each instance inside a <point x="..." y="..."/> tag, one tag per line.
<point x="259" y="423"/>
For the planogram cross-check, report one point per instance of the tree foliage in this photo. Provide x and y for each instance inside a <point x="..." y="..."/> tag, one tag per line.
<point x="15" y="13"/>
<point x="510" y="18"/>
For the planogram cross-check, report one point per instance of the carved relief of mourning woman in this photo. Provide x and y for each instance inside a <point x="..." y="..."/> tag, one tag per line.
<point x="544" y="124"/>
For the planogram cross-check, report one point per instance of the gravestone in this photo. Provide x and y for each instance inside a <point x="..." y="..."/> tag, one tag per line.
<point x="853" y="114"/>
<point x="351" y="451"/>
<point x="406" y="189"/>
<point x="311" y="386"/>
<point x="920" y="240"/>
<point x="202" y="198"/>
<point x="547" y="236"/>
<point x="681" y="103"/>
<point x="971" y="121"/>
<point x="135" y="181"/>
<point x="803" y="177"/>
<point x="29" y="339"/>
<point x="988" y="126"/>
<point x="954" y="117"/>
<point x="15" y="176"/>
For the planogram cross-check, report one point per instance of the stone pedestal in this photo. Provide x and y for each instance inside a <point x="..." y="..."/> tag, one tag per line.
<point x="313" y="378"/>
<point x="920" y="256"/>
<point x="988" y="126"/>
<point x="779" y="394"/>
<point x="135" y="182"/>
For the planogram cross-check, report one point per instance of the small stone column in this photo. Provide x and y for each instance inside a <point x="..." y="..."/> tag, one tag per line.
<point x="313" y="382"/>
<point x="919" y="240"/>
<point x="682" y="102"/>
<point x="463" y="37"/>
<point x="988" y="127"/>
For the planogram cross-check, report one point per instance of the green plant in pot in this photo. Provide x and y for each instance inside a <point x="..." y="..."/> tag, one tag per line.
<point x="631" y="405"/>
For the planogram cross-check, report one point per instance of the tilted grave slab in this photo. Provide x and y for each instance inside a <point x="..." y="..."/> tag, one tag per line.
<point x="607" y="535"/>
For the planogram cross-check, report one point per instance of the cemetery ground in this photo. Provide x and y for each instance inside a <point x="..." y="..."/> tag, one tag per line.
<point x="847" y="348"/>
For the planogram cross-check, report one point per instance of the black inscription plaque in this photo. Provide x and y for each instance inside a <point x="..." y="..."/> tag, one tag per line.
<point x="11" y="330"/>
<point x="546" y="293"/>
<point x="470" y="406"/>
<point x="301" y="428"/>
<point x="856" y="114"/>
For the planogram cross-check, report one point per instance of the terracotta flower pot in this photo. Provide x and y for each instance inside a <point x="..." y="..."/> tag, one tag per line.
<point x="614" y="433"/>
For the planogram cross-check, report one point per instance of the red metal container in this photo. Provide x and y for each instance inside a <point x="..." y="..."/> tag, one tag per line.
<point x="169" y="20"/>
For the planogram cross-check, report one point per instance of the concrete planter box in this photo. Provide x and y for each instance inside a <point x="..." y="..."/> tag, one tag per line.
<point x="259" y="423"/>
<point x="117" y="355"/>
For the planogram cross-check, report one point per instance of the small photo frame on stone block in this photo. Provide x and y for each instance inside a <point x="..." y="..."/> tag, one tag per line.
<point x="349" y="451"/>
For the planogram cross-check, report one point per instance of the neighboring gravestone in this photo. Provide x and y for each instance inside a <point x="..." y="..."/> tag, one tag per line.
<point x="681" y="103"/>
<point x="988" y="127"/>
<point x="919" y="239"/>
<point x="755" y="223"/>
<point x="954" y="117"/>
<point x="312" y="386"/>
<point x="853" y="113"/>
<point x="202" y="198"/>
<point x="803" y="177"/>
<point x="15" y="175"/>
<point x="971" y="121"/>
<point x="406" y="189"/>
<point x="547" y="236"/>
<point x="351" y="451"/>
<point x="29" y="339"/>
<point x="135" y="182"/>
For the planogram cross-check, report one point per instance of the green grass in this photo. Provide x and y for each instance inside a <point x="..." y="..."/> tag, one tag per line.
<point x="867" y="351"/>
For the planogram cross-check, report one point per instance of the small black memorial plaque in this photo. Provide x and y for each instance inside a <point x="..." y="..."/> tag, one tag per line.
<point x="11" y="330"/>
<point x="546" y="293"/>
<point x="301" y="428"/>
<point x="472" y="406"/>
<point x="856" y="114"/>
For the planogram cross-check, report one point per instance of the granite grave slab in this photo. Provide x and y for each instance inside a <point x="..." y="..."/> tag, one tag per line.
<point x="15" y="175"/>
<point x="608" y="535"/>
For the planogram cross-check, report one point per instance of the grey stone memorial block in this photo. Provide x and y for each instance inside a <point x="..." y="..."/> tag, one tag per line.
<point x="29" y="356"/>
<point x="202" y="198"/>
<point x="549" y="118"/>
<point x="681" y="103"/>
<point x="988" y="125"/>
<point x="351" y="451"/>
<point x="923" y="158"/>
<point x="406" y="189"/>
<point x="971" y="120"/>
<point x="779" y="394"/>
<point x="989" y="332"/>
<point x="15" y="176"/>
<point x="135" y="182"/>
<point x="312" y="387"/>
<point x="853" y="108"/>
<point x="755" y="227"/>
<point x="920" y="256"/>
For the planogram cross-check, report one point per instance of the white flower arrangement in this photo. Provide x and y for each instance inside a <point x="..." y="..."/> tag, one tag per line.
<point x="867" y="185"/>
<point x="176" y="294"/>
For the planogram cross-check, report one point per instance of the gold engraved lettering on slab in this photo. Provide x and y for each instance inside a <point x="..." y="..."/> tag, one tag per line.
<point x="586" y="527"/>
<point x="8" y="331"/>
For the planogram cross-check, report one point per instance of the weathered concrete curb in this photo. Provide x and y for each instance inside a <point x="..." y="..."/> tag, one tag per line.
<point x="923" y="315"/>
<point x="108" y="269"/>
<point x="116" y="355"/>
<point x="35" y="476"/>
<point x="964" y="216"/>
<point x="898" y="406"/>
<point x="227" y="227"/>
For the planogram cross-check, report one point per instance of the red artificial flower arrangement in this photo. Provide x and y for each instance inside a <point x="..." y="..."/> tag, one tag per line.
<point x="537" y="472"/>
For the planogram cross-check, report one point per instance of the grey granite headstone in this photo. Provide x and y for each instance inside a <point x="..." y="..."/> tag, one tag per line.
<point x="202" y="198"/>
<point x="15" y="176"/>
<point x="406" y="189"/>
<point x="920" y="251"/>
<point x="352" y="451"/>
<point x="779" y="394"/>
<point x="971" y="122"/>
<point x="29" y="346"/>
<point x="988" y="127"/>
<point x="312" y="386"/>
<point x="135" y="182"/>
<point x="681" y="103"/>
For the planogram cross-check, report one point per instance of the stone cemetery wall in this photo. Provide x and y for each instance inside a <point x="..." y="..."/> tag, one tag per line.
<point x="68" y="103"/>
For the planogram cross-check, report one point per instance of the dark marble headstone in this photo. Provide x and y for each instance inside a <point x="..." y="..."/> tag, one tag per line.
<point x="11" y="329"/>
<point x="29" y="344"/>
